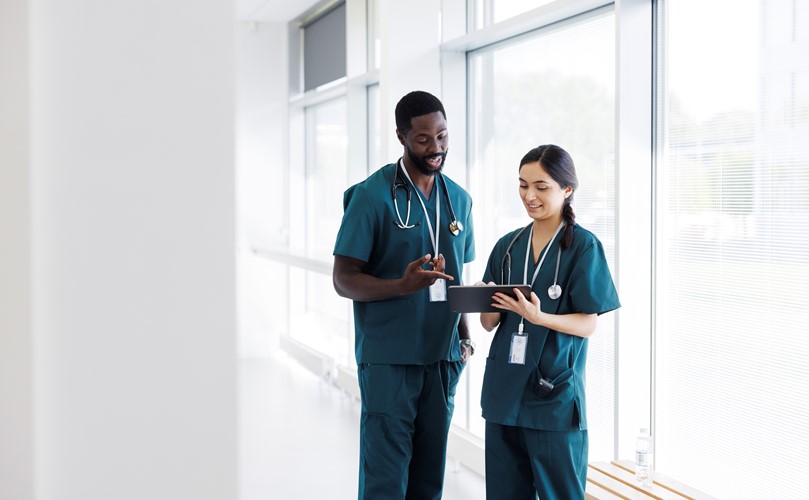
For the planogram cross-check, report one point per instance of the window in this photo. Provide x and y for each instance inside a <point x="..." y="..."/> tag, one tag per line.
<point x="732" y="278"/>
<point x="321" y="165"/>
<point x="322" y="318"/>
<point x="555" y="85"/>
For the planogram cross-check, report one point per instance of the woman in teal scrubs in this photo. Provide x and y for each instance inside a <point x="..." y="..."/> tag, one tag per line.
<point x="533" y="389"/>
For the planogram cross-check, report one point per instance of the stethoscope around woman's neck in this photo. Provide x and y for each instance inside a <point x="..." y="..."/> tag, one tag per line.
<point x="455" y="226"/>
<point x="554" y="291"/>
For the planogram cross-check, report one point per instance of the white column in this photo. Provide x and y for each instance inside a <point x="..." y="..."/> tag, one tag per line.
<point x="133" y="236"/>
<point x="16" y="364"/>
<point x="261" y="152"/>
<point x="633" y="350"/>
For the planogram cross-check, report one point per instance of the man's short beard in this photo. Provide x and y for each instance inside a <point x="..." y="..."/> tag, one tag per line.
<point x="422" y="165"/>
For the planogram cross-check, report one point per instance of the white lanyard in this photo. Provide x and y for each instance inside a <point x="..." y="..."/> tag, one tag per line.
<point x="433" y="235"/>
<point x="539" y="265"/>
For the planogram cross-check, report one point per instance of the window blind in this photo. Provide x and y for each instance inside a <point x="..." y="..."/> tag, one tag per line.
<point x="732" y="233"/>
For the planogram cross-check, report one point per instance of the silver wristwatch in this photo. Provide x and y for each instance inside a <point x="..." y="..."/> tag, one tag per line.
<point x="470" y="343"/>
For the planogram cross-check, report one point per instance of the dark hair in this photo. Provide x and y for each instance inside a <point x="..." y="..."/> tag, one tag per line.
<point x="416" y="103"/>
<point x="559" y="165"/>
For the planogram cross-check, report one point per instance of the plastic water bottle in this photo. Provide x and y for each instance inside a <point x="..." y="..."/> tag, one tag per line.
<point x="644" y="457"/>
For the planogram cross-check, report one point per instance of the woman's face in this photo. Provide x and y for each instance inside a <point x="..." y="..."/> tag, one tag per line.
<point x="542" y="196"/>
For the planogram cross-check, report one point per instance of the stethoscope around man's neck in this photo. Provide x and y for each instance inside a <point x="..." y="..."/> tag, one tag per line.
<point x="554" y="291"/>
<point x="455" y="226"/>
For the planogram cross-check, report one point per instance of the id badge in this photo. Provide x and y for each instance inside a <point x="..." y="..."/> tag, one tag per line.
<point x="519" y="345"/>
<point x="438" y="291"/>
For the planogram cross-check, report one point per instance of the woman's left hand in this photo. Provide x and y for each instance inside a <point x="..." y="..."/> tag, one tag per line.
<point x="521" y="305"/>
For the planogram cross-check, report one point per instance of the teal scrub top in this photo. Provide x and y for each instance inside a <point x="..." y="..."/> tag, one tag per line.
<point x="409" y="329"/>
<point x="507" y="396"/>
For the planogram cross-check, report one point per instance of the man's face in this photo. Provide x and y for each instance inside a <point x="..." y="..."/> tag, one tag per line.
<point x="426" y="142"/>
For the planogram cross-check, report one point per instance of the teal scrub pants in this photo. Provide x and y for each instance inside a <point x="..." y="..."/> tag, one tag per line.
<point x="522" y="463"/>
<point x="406" y="414"/>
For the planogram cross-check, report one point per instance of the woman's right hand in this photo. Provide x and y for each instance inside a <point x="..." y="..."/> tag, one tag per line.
<point x="489" y="320"/>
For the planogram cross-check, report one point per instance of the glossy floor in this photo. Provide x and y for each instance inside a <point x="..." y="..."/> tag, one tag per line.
<point x="300" y="437"/>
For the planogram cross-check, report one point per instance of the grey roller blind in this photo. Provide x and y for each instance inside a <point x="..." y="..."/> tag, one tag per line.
<point x="324" y="48"/>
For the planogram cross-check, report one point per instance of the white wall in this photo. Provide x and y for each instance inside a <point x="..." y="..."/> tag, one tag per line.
<point x="127" y="192"/>
<point x="16" y="369"/>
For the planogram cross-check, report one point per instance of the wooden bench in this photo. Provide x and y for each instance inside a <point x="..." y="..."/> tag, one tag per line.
<point x="616" y="479"/>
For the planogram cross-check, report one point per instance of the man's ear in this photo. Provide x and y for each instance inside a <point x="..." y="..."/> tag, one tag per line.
<point x="401" y="137"/>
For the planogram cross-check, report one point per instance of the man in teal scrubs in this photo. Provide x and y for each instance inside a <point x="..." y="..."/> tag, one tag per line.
<point x="405" y="236"/>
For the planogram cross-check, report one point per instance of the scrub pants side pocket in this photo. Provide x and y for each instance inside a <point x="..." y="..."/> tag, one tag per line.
<point x="380" y="385"/>
<point x="454" y="369"/>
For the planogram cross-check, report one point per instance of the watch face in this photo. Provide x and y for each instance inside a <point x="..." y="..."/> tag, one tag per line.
<point x="470" y="343"/>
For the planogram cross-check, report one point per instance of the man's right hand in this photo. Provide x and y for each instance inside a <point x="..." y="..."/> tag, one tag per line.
<point x="415" y="278"/>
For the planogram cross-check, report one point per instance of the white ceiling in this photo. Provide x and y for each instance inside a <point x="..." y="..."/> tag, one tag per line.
<point x="271" y="11"/>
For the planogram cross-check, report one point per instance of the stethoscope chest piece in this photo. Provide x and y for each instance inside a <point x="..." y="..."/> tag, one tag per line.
<point x="455" y="227"/>
<point x="555" y="291"/>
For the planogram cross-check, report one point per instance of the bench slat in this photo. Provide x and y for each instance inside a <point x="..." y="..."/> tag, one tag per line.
<point x="628" y="478"/>
<point x="682" y="489"/>
<point x="596" y="492"/>
<point x="613" y="487"/>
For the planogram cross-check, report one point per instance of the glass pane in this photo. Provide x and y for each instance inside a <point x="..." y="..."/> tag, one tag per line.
<point x="321" y="319"/>
<point x="326" y="319"/>
<point x="326" y="175"/>
<point x="489" y="12"/>
<point x="556" y="85"/>
<point x="732" y="279"/>
<point x="374" y="41"/>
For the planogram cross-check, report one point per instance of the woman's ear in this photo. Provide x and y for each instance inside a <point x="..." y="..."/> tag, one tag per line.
<point x="568" y="192"/>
